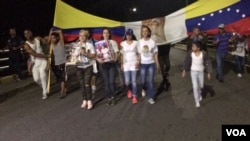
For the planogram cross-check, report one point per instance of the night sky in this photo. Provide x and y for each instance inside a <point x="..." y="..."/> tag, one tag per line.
<point x="38" y="14"/>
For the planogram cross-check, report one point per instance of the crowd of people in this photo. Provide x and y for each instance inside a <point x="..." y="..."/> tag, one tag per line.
<point x="132" y="58"/>
<point x="198" y="61"/>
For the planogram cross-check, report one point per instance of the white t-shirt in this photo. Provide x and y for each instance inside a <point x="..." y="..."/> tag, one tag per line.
<point x="147" y="49"/>
<point x="240" y="49"/>
<point x="197" y="62"/>
<point x="80" y="58"/>
<point x="114" y="45"/>
<point x="130" y="58"/>
<point x="95" y="69"/>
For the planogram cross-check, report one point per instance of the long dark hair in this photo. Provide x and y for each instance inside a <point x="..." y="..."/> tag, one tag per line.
<point x="198" y="44"/>
<point x="149" y="30"/>
<point x="110" y="34"/>
<point x="125" y="38"/>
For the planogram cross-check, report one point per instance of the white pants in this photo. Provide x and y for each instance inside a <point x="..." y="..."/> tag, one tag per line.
<point x="40" y="74"/>
<point x="198" y="84"/>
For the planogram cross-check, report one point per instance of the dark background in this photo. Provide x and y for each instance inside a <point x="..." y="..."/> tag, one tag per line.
<point x="38" y="15"/>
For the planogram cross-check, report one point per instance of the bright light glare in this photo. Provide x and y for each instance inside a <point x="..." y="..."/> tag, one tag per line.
<point x="134" y="9"/>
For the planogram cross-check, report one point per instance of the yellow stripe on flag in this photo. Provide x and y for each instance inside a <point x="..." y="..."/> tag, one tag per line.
<point x="203" y="7"/>
<point x="67" y="16"/>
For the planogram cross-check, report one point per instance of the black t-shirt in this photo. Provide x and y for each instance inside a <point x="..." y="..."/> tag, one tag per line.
<point x="163" y="50"/>
<point x="14" y="42"/>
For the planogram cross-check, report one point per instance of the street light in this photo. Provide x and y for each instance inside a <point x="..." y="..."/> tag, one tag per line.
<point x="134" y="9"/>
<point x="132" y="12"/>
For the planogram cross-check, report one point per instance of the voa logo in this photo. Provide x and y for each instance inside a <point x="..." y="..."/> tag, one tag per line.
<point x="236" y="132"/>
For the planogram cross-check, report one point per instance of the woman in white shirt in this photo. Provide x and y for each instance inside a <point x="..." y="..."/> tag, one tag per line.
<point x="85" y="53"/>
<point x="130" y="63"/>
<point x="149" y="60"/>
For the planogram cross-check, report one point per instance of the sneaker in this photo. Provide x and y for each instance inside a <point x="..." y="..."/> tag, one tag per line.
<point x="200" y="98"/>
<point x="84" y="104"/>
<point x="239" y="75"/>
<point x="151" y="101"/>
<point x="129" y="94"/>
<point x="44" y="97"/>
<point x="134" y="100"/>
<point x="113" y="101"/>
<point x="93" y="91"/>
<point x="143" y="93"/>
<point x="108" y="101"/>
<point x="89" y="105"/>
<point x="93" y="88"/>
<point x="197" y="105"/>
<point x="18" y="79"/>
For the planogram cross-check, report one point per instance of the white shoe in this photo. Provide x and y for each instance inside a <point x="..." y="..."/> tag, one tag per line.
<point x="44" y="97"/>
<point x="197" y="105"/>
<point x="93" y="88"/>
<point x="84" y="104"/>
<point x="239" y="75"/>
<point x="90" y="105"/>
<point x="93" y="91"/>
<point x="151" y="101"/>
<point x="200" y="98"/>
<point x="143" y="93"/>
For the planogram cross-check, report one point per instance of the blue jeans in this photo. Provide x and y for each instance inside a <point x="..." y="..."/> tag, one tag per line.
<point x="147" y="70"/>
<point x="239" y="63"/>
<point x="198" y="84"/>
<point x="108" y="73"/>
<point x="131" y="75"/>
<point x="220" y="59"/>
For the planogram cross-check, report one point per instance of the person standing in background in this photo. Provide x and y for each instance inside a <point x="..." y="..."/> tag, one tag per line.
<point x="164" y="61"/>
<point x="239" y="53"/>
<point x="95" y="64"/>
<point x="197" y="35"/>
<point x="15" y="43"/>
<point x="221" y="42"/>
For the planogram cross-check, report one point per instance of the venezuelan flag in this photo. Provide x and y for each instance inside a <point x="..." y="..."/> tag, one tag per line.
<point x="72" y="20"/>
<point x="205" y="14"/>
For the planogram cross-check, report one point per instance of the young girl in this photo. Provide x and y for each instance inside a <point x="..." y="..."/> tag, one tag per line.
<point x="107" y="54"/>
<point x="197" y="60"/>
<point x="149" y="60"/>
<point x="85" y="53"/>
<point x="130" y="63"/>
<point x="57" y="43"/>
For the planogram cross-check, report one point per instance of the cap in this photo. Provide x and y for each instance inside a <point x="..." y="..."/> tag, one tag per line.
<point x="129" y="32"/>
<point x="221" y="26"/>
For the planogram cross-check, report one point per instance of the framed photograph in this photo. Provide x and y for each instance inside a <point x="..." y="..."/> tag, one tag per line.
<point x="104" y="51"/>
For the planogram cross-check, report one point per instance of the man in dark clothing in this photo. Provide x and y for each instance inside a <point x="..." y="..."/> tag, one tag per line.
<point x="15" y="44"/>
<point x="197" y="35"/>
<point x="163" y="57"/>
